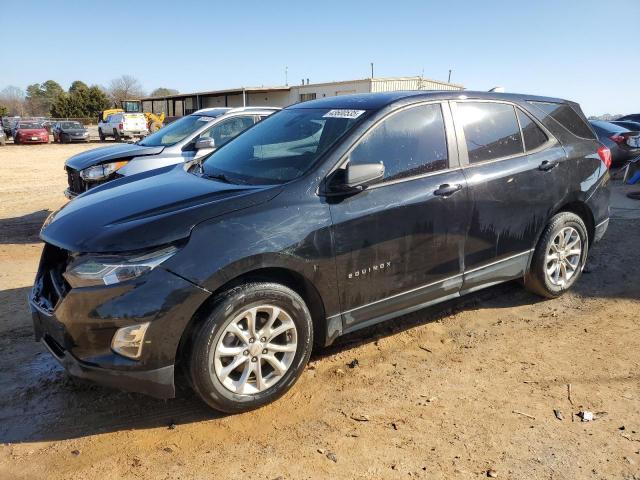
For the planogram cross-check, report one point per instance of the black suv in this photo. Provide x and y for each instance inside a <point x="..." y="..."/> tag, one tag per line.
<point x="326" y="217"/>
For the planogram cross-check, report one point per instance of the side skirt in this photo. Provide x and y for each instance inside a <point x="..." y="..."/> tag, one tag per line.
<point x="494" y="273"/>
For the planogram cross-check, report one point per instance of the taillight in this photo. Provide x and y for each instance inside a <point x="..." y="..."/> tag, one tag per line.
<point x="605" y="155"/>
<point x="619" y="139"/>
<point x="121" y="126"/>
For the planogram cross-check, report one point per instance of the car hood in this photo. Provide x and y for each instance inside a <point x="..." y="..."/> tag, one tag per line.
<point x="146" y="210"/>
<point x="111" y="153"/>
<point x="32" y="131"/>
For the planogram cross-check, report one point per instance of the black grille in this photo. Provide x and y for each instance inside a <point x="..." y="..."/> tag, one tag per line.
<point x="50" y="286"/>
<point x="76" y="184"/>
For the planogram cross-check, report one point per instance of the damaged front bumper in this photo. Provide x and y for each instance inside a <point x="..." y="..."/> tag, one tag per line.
<point x="77" y="326"/>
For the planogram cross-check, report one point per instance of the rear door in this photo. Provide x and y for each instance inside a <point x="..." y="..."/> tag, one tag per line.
<point x="399" y="243"/>
<point x="516" y="175"/>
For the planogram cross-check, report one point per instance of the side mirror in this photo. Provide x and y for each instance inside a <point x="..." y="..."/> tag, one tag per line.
<point x="203" y="143"/>
<point x="359" y="175"/>
<point x="354" y="178"/>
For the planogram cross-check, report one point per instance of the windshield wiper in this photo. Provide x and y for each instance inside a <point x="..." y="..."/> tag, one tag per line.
<point x="218" y="176"/>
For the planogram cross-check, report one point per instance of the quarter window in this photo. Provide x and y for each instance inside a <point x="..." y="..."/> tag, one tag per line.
<point x="534" y="137"/>
<point x="490" y="129"/>
<point x="409" y="143"/>
<point x="567" y="117"/>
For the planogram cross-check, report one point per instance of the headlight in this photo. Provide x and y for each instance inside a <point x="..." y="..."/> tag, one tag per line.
<point x="100" y="172"/>
<point x="91" y="271"/>
<point x="128" y="341"/>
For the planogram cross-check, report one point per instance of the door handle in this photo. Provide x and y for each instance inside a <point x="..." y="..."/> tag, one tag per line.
<point x="547" y="165"/>
<point x="446" y="189"/>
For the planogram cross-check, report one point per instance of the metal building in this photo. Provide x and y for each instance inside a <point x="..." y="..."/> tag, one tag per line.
<point x="282" y="96"/>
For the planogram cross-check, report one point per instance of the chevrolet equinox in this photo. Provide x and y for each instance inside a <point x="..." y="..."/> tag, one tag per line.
<point x="326" y="217"/>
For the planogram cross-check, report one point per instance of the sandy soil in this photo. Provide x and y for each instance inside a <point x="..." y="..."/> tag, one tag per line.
<point x="435" y="394"/>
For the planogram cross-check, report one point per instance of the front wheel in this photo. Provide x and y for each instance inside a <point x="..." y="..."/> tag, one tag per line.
<point x="251" y="348"/>
<point x="559" y="257"/>
<point x="116" y="135"/>
<point x="101" y="135"/>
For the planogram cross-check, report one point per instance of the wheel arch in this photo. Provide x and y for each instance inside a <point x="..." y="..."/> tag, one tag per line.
<point x="282" y="275"/>
<point x="582" y="210"/>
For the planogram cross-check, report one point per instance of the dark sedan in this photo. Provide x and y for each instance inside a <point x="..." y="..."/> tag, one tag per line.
<point x="623" y="143"/>
<point x="634" y="117"/>
<point x="628" y="124"/>
<point x="66" y="132"/>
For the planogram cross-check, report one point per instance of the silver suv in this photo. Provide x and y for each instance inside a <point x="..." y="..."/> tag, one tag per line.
<point x="188" y="138"/>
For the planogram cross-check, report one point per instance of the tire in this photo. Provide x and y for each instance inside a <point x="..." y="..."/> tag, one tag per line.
<point x="61" y="138"/>
<point x="216" y="389"/>
<point x="101" y="135"/>
<point x="116" y="135"/>
<point x="542" y="278"/>
<point x="16" y="141"/>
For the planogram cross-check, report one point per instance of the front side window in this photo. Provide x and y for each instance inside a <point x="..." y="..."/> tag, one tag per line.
<point x="227" y="129"/>
<point x="491" y="130"/>
<point x="534" y="137"/>
<point x="283" y="146"/>
<point x="176" y="131"/>
<point x="409" y="143"/>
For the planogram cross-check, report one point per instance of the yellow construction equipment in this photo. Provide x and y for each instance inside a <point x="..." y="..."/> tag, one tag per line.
<point x="154" y="122"/>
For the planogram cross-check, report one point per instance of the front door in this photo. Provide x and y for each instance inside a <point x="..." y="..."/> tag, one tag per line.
<point x="399" y="243"/>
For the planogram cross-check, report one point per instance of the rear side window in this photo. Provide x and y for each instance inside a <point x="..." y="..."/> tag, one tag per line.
<point x="534" y="137"/>
<point x="409" y="143"/>
<point x="491" y="130"/>
<point x="567" y="117"/>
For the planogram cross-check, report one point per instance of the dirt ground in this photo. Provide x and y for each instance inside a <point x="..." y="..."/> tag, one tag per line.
<point x="448" y="392"/>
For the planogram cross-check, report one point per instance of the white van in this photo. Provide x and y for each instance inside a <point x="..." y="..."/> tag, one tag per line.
<point x="123" y="125"/>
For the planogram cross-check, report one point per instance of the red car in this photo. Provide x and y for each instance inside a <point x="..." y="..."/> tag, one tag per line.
<point x="30" y="132"/>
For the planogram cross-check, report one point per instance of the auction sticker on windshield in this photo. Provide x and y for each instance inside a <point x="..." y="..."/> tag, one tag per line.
<point x="343" y="113"/>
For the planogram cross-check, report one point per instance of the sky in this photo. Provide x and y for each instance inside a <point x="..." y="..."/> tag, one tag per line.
<point x="559" y="48"/>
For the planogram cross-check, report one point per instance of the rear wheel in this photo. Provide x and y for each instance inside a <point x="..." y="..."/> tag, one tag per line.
<point x="559" y="257"/>
<point x="101" y="135"/>
<point x="252" y="347"/>
<point x="116" y="135"/>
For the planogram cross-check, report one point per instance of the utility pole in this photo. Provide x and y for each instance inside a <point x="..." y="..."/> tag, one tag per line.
<point x="449" y="79"/>
<point x="371" y="69"/>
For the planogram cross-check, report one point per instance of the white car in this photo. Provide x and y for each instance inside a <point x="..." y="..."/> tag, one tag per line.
<point x="188" y="139"/>
<point x="123" y="125"/>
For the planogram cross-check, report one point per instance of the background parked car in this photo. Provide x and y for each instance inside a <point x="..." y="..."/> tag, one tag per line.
<point x="187" y="139"/>
<point x="30" y="132"/>
<point x="123" y="125"/>
<point x="623" y="143"/>
<point x="9" y="124"/>
<point x="67" y="131"/>
<point x="635" y="117"/>
<point x="628" y="124"/>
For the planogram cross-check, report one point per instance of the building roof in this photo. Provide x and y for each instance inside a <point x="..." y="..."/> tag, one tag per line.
<point x="286" y="88"/>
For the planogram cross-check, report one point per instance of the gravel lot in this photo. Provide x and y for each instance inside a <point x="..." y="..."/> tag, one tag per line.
<point x="447" y="392"/>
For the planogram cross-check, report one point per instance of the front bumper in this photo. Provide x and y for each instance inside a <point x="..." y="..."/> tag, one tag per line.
<point x="78" y="325"/>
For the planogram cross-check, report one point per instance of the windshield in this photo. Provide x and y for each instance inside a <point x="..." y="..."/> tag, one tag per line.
<point x="282" y="147"/>
<point x="70" y="125"/>
<point x="176" y="131"/>
<point x="30" y="125"/>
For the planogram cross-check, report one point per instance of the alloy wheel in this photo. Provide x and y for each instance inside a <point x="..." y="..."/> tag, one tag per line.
<point x="255" y="350"/>
<point x="562" y="260"/>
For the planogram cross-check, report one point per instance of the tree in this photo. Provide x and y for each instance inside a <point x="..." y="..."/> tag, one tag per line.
<point x="40" y="97"/>
<point x="125" y="87"/>
<point x="81" y="101"/>
<point x="4" y="111"/>
<point x="12" y="98"/>
<point x="164" y="92"/>
<point x="78" y="86"/>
